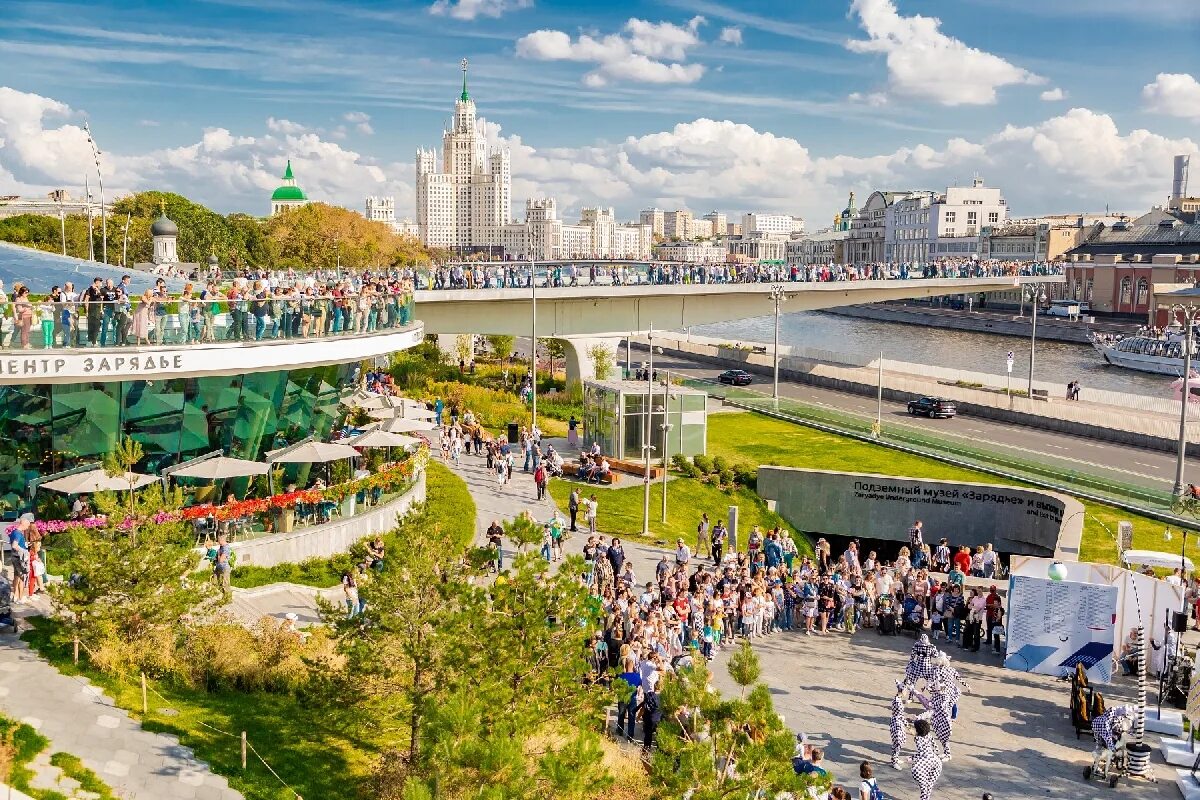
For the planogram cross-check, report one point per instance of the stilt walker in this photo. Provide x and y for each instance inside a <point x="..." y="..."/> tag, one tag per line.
<point x="899" y="724"/>
<point x="926" y="766"/>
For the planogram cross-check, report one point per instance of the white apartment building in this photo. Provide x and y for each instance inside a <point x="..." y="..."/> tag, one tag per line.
<point x="926" y="226"/>
<point x="695" y="252"/>
<point x="464" y="201"/>
<point x="381" y="209"/>
<point x="677" y="224"/>
<point x="655" y="218"/>
<point x="544" y="236"/>
<point x="773" y="224"/>
<point x="719" y="221"/>
<point x="702" y="229"/>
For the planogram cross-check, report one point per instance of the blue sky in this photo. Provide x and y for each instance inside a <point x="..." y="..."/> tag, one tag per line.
<point x="698" y="103"/>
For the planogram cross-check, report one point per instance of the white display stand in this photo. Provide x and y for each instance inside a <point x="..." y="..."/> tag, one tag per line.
<point x="1171" y="723"/>
<point x="1176" y="752"/>
<point x="1186" y="784"/>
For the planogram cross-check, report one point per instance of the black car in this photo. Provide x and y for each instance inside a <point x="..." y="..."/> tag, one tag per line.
<point x="933" y="407"/>
<point x="735" y="377"/>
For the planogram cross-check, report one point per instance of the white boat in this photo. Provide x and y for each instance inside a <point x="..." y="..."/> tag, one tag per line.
<point x="1144" y="353"/>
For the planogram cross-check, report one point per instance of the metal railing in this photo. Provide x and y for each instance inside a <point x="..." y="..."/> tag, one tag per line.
<point x="181" y="321"/>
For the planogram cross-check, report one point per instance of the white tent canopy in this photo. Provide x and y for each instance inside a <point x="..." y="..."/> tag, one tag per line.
<point x="381" y="438"/>
<point x="311" y="452"/>
<point x="1154" y="558"/>
<point x="97" y="480"/>
<point x="221" y="467"/>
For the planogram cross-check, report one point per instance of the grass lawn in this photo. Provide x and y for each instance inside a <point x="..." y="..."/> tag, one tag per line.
<point x="762" y="440"/>
<point x="446" y="496"/>
<point x="621" y="509"/>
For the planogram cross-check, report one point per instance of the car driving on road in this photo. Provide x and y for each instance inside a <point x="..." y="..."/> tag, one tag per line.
<point x="933" y="407"/>
<point x="735" y="377"/>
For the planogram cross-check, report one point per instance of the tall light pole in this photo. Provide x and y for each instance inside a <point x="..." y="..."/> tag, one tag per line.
<point x="125" y="246"/>
<point x="62" y="220"/>
<point x="103" y="212"/>
<point x="1036" y="294"/>
<point x="533" y="334"/>
<point x="666" y="429"/>
<point x="778" y="295"/>
<point x="1189" y="314"/>
<point x="646" y="446"/>
<point x="87" y="191"/>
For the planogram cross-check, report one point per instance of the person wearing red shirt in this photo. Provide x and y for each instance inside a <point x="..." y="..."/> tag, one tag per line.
<point x="963" y="559"/>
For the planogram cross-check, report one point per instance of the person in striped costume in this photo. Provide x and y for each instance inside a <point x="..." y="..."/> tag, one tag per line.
<point x="926" y="766"/>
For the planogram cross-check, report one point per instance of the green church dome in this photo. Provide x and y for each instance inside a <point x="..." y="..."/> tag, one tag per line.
<point x="288" y="193"/>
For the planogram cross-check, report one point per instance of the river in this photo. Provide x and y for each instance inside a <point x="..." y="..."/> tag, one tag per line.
<point x="1057" y="362"/>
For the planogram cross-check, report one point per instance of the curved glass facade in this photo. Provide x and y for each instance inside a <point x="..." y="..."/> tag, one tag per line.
<point x="47" y="428"/>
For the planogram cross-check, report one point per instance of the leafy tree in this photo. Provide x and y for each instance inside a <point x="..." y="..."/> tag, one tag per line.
<point x="710" y="748"/>
<point x="128" y="595"/>
<point x="502" y="346"/>
<point x="603" y="360"/>
<point x="464" y="347"/>
<point x="556" y="350"/>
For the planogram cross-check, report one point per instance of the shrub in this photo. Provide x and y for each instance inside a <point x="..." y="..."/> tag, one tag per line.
<point x="726" y="477"/>
<point x="703" y="463"/>
<point x="683" y="466"/>
<point x="746" y="475"/>
<point x="719" y="464"/>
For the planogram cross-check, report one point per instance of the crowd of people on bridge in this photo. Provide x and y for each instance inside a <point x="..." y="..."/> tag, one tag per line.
<point x="113" y="314"/>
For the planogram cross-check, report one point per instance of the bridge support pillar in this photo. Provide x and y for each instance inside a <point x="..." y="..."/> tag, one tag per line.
<point x="583" y="353"/>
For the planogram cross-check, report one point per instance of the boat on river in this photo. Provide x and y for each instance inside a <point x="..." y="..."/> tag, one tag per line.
<point x="1158" y="355"/>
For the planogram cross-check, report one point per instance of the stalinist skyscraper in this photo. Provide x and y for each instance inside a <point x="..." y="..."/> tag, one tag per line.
<point x="463" y="202"/>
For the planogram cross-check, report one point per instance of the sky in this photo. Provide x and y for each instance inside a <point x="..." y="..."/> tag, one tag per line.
<point x="730" y="105"/>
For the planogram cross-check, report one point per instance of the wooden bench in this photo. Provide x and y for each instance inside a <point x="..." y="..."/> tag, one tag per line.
<point x="636" y="468"/>
<point x="572" y="468"/>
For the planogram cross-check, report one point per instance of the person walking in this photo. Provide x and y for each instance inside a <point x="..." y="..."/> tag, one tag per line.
<point x="719" y="535"/>
<point x="591" y="510"/>
<point x="539" y="480"/>
<point x="652" y="713"/>
<point x="703" y="537"/>
<point x="926" y="765"/>
<point x="868" y="788"/>
<point x="573" y="507"/>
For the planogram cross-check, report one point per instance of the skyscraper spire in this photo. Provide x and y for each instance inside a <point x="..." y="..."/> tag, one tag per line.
<point x="464" y="96"/>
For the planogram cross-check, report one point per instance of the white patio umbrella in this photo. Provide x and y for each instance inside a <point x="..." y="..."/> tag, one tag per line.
<point x="97" y="480"/>
<point x="365" y="400"/>
<point x="382" y="438"/>
<point x="222" y="467"/>
<point x="401" y="425"/>
<point x="313" y="453"/>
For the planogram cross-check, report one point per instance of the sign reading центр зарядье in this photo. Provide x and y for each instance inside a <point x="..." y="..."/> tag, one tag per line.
<point x="49" y="366"/>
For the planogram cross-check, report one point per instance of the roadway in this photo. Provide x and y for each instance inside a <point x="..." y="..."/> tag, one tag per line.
<point x="1132" y="465"/>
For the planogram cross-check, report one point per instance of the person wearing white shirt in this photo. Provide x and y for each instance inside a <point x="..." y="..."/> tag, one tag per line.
<point x="682" y="553"/>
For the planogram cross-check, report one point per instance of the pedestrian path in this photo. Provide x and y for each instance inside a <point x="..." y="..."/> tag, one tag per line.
<point x="280" y="599"/>
<point x="81" y="720"/>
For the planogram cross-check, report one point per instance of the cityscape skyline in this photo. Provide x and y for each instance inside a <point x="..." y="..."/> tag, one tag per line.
<point x="635" y="110"/>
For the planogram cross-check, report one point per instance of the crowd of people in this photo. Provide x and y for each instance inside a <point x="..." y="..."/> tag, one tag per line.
<point x="113" y="314"/>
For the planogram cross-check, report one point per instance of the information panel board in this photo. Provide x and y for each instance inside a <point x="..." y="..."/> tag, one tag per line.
<point x="1053" y="625"/>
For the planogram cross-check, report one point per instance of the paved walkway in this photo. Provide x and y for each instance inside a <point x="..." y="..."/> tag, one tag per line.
<point x="279" y="599"/>
<point x="81" y="720"/>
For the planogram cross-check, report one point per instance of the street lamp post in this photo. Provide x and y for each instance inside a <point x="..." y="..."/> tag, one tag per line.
<point x="1036" y="295"/>
<point x="646" y="446"/>
<point x="62" y="220"/>
<point x="666" y="429"/>
<point x="103" y="212"/>
<point x="778" y="295"/>
<point x="1189" y="314"/>
<point x="533" y="348"/>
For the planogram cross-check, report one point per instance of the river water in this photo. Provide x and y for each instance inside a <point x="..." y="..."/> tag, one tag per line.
<point x="1056" y="362"/>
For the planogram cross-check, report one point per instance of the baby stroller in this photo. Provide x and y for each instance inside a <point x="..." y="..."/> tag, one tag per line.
<point x="1110" y="760"/>
<point x="885" y="610"/>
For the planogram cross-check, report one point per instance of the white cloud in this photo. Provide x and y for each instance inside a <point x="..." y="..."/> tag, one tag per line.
<point x="1052" y="95"/>
<point x="1075" y="161"/>
<point x="42" y="149"/>
<point x="285" y="126"/>
<point x="646" y="52"/>
<point x="1175" y="94"/>
<point x="360" y="120"/>
<point x="926" y="64"/>
<point x="731" y="35"/>
<point x="470" y="9"/>
<point x="149" y="123"/>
